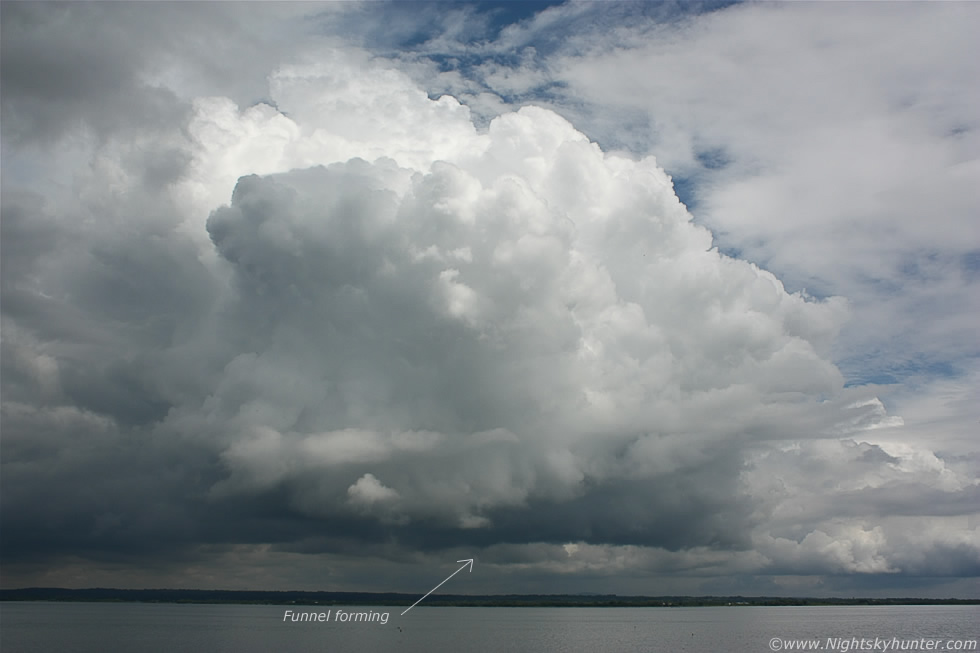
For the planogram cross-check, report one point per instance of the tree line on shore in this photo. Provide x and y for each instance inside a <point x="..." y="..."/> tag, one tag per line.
<point x="444" y="600"/>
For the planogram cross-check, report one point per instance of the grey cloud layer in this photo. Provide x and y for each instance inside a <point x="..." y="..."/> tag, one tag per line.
<point x="354" y="324"/>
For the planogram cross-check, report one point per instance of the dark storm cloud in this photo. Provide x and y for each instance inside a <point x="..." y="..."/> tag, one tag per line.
<point x="112" y="67"/>
<point x="61" y="69"/>
<point x="28" y="234"/>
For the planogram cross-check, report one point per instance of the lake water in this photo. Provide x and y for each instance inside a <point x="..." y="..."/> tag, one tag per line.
<point x="33" y="627"/>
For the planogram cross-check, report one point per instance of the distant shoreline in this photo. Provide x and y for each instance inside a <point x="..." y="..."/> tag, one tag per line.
<point x="446" y="600"/>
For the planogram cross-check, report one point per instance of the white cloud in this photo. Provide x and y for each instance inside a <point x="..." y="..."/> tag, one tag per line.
<point x="585" y="313"/>
<point x="368" y="491"/>
<point x="847" y="144"/>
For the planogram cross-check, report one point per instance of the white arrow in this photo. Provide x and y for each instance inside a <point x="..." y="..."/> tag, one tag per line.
<point x="468" y="562"/>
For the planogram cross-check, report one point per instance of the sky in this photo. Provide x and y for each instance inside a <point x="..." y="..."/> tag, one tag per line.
<point x="613" y="297"/>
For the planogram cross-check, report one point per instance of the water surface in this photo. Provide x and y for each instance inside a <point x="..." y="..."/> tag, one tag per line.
<point x="32" y="627"/>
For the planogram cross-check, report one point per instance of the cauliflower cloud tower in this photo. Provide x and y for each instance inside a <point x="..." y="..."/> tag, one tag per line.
<point x="505" y="329"/>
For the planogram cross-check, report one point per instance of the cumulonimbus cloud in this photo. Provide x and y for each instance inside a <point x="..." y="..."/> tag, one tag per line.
<point x="549" y="312"/>
<point x="443" y="336"/>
